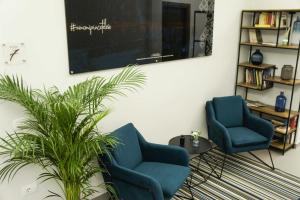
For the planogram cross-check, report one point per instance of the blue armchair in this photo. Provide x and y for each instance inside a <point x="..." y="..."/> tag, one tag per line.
<point x="234" y="129"/>
<point x="142" y="171"/>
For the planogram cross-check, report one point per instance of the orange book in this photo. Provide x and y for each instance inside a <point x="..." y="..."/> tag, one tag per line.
<point x="293" y="122"/>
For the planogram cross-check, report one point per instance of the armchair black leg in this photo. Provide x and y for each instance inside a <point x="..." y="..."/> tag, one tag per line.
<point x="222" y="167"/>
<point x="189" y="186"/>
<point x="223" y="164"/>
<point x="191" y="192"/>
<point x="271" y="167"/>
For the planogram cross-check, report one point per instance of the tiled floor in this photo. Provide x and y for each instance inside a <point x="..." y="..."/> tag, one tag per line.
<point x="290" y="162"/>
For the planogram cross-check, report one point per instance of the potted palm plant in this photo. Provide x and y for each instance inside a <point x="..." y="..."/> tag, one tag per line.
<point x="60" y="131"/>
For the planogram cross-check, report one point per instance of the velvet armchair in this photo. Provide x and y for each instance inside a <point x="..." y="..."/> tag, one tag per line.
<point x="234" y="129"/>
<point x="141" y="170"/>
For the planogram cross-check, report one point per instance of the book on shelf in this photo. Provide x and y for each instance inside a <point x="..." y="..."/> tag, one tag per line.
<point x="277" y="123"/>
<point x="293" y="122"/>
<point x="282" y="129"/>
<point x="255" y="36"/>
<point x="252" y="36"/>
<point x="259" y="37"/>
<point x="280" y="139"/>
<point x="263" y="25"/>
<point x="270" y="19"/>
<point x="284" y="19"/>
<point x="281" y="126"/>
<point x="257" y="77"/>
<point x="253" y="76"/>
<point x="267" y="74"/>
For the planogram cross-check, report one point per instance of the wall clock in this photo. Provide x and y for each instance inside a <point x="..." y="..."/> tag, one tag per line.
<point x="14" y="53"/>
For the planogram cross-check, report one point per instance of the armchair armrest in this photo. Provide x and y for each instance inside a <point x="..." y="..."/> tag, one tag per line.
<point x="216" y="131"/>
<point x="221" y="136"/>
<point x="260" y="126"/>
<point x="165" y="154"/>
<point x="138" y="180"/>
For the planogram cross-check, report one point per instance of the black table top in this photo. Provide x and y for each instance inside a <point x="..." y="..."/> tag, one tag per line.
<point x="204" y="144"/>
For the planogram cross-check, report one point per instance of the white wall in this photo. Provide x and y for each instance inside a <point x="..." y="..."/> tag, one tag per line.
<point x="172" y="102"/>
<point x="278" y="57"/>
<point x="274" y="4"/>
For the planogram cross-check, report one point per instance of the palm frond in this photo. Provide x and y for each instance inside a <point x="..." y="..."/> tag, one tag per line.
<point x="92" y="92"/>
<point x="52" y="195"/>
<point x="13" y="89"/>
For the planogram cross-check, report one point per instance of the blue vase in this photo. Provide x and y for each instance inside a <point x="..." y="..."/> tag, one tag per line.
<point x="280" y="103"/>
<point x="257" y="57"/>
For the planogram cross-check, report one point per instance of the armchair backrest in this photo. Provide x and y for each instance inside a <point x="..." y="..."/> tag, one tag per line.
<point x="128" y="152"/>
<point x="229" y="110"/>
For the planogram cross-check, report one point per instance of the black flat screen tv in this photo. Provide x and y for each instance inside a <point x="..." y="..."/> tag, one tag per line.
<point x="104" y="34"/>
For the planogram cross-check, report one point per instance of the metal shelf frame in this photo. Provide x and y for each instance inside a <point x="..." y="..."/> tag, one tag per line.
<point x="291" y="13"/>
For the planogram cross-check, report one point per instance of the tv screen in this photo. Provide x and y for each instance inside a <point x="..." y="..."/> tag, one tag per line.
<point x="105" y="34"/>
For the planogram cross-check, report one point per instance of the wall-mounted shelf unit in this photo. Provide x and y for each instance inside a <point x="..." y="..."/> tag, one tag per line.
<point x="285" y="137"/>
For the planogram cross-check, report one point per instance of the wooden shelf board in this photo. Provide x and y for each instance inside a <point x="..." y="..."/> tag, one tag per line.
<point x="279" y="145"/>
<point x="257" y="44"/>
<point x="249" y="85"/>
<point x="292" y="47"/>
<point x="273" y="10"/>
<point x="270" y="110"/>
<point x="264" y="28"/>
<point x="262" y="66"/>
<point x="287" y="46"/>
<point x="277" y="79"/>
<point x="292" y="130"/>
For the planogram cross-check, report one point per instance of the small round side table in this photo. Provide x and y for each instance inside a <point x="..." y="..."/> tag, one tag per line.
<point x="200" y="152"/>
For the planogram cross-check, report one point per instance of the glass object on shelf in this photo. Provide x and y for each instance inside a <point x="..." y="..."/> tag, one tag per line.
<point x="296" y="32"/>
<point x="285" y="40"/>
<point x="287" y="72"/>
<point x="280" y="102"/>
